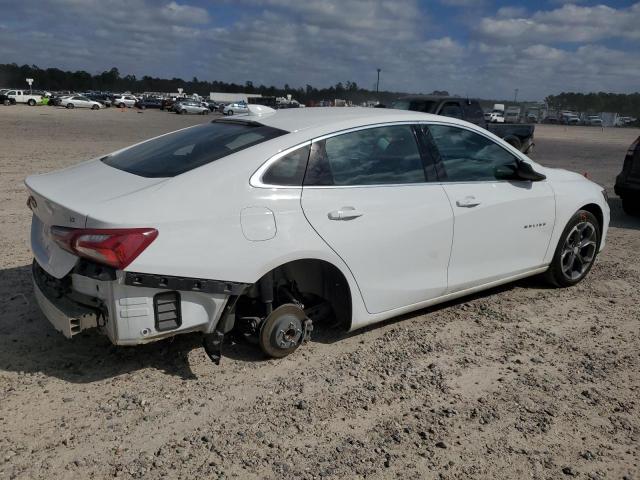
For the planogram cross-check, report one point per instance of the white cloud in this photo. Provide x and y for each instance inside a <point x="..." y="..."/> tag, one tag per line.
<point x="324" y="42"/>
<point x="570" y="23"/>
<point x="182" y="14"/>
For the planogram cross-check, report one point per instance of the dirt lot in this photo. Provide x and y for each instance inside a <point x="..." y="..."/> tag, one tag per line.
<point x="520" y="382"/>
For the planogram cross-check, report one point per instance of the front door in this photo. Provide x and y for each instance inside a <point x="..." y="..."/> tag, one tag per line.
<point x="366" y="194"/>
<point x="501" y="227"/>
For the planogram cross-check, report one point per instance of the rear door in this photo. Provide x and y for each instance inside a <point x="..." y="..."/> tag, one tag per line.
<point x="367" y="195"/>
<point x="502" y="227"/>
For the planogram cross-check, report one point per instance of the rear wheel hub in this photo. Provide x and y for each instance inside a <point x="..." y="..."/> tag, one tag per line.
<point x="283" y="330"/>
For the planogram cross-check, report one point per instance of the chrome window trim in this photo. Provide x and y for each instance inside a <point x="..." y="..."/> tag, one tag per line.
<point x="256" y="178"/>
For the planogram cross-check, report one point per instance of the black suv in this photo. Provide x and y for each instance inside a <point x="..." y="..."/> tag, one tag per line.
<point x="519" y="135"/>
<point x="628" y="182"/>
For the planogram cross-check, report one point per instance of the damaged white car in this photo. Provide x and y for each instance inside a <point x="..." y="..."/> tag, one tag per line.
<point x="268" y="222"/>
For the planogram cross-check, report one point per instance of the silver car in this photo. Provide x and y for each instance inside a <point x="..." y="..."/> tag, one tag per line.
<point x="235" y="108"/>
<point x="191" y="107"/>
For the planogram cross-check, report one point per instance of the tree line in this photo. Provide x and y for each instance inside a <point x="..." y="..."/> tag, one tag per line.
<point x="54" y="79"/>
<point x="627" y="104"/>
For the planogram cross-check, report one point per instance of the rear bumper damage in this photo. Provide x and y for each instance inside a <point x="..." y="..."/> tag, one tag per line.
<point x="132" y="308"/>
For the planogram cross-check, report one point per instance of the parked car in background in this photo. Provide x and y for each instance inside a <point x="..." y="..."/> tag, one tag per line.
<point x="593" y="121"/>
<point x="570" y="119"/>
<point x="495" y="117"/>
<point x="102" y="98"/>
<point x="519" y="135"/>
<point x="532" y="117"/>
<point x="627" y="185"/>
<point x="167" y="103"/>
<point x="626" y="121"/>
<point x="5" y="99"/>
<point x="213" y="106"/>
<point x="149" y="102"/>
<point x="79" y="101"/>
<point x="178" y="234"/>
<point x="191" y="106"/>
<point x="235" y="108"/>
<point x="122" y="101"/>
<point x="21" y="96"/>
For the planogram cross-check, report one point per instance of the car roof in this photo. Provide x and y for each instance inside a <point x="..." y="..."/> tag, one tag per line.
<point x="330" y="119"/>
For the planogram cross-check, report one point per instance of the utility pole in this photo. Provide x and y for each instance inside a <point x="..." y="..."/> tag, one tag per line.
<point x="515" y="96"/>
<point x="378" y="82"/>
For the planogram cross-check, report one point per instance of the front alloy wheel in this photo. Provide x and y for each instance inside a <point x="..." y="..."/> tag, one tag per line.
<point x="579" y="250"/>
<point x="576" y="250"/>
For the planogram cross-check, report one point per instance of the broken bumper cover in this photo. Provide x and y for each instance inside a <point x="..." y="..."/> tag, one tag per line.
<point x="66" y="316"/>
<point x="131" y="308"/>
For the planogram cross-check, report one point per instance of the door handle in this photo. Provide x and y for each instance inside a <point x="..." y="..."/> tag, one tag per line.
<point x="344" y="213"/>
<point x="468" y="202"/>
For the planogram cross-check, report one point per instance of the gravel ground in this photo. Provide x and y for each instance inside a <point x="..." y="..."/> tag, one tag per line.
<point x="520" y="382"/>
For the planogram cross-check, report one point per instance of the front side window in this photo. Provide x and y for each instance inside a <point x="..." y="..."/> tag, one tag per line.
<point x="374" y="156"/>
<point x="465" y="156"/>
<point x="289" y="169"/>
<point x="184" y="150"/>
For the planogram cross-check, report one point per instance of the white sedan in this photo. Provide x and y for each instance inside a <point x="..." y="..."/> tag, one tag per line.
<point x="235" y="108"/>
<point x="122" y="101"/>
<point x="269" y="222"/>
<point x="78" y="101"/>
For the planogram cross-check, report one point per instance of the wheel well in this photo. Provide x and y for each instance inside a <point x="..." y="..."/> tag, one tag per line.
<point x="597" y="212"/>
<point x="317" y="277"/>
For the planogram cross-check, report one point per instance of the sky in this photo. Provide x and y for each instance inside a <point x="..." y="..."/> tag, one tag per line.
<point x="479" y="48"/>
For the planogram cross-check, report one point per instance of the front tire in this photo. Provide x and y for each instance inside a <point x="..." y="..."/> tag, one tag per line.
<point x="576" y="251"/>
<point x="230" y="112"/>
<point x="95" y="107"/>
<point x="70" y="105"/>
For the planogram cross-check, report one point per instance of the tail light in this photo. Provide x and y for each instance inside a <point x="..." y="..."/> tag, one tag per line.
<point x="113" y="247"/>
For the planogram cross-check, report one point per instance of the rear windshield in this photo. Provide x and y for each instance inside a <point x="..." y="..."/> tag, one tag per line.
<point x="185" y="150"/>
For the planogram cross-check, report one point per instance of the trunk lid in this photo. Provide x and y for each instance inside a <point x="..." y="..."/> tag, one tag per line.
<point x="66" y="198"/>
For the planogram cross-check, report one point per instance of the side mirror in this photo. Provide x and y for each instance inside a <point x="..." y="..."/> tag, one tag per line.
<point x="520" y="171"/>
<point x="525" y="171"/>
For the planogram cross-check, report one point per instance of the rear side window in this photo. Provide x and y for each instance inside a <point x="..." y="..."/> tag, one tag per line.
<point x="191" y="148"/>
<point x="374" y="156"/>
<point x="289" y="169"/>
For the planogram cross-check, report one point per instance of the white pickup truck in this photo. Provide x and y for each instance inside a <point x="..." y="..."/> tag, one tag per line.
<point x="21" y="96"/>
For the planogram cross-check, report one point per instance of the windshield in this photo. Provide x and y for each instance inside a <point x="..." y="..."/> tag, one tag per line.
<point x="181" y="151"/>
<point x="414" y="105"/>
